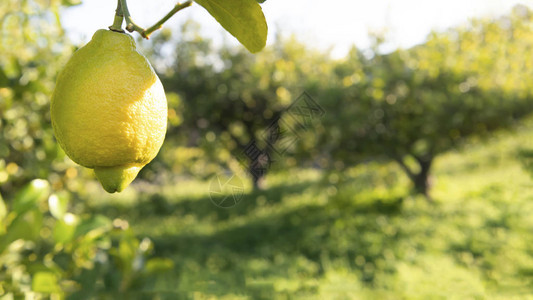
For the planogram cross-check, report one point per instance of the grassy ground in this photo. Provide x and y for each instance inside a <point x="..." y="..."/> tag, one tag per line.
<point x="349" y="236"/>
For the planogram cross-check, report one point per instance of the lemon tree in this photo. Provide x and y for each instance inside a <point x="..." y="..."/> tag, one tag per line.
<point x="109" y="109"/>
<point x="409" y="106"/>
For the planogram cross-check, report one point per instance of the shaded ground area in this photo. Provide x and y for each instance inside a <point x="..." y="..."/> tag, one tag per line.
<point x="360" y="238"/>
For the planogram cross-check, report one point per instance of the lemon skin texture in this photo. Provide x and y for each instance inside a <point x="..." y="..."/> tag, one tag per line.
<point x="109" y="109"/>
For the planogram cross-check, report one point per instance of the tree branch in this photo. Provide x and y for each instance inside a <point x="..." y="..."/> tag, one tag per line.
<point x="145" y="33"/>
<point x="130" y="25"/>
<point x="404" y="167"/>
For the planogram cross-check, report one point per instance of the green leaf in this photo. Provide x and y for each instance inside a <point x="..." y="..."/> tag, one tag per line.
<point x="58" y="205"/>
<point x="70" y="2"/>
<point x="45" y="282"/>
<point x="244" y="19"/>
<point x="33" y="193"/>
<point x="94" y="223"/>
<point x="3" y="209"/>
<point x="3" y="78"/>
<point x="26" y="227"/>
<point x="159" y="265"/>
<point x="3" y="214"/>
<point x="127" y="251"/>
<point x="65" y="228"/>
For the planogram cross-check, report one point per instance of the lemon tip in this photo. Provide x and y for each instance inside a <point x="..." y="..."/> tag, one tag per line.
<point x="116" y="179"/>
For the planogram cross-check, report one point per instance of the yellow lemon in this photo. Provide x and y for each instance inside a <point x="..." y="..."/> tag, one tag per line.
<point x="109" y="110"/>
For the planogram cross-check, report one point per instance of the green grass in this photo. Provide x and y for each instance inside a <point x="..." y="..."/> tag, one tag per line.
<point x="356" y="235"/>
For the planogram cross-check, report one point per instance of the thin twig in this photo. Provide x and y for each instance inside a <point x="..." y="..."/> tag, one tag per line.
<point x="130" y="25"/>
<point x="146" y="33"/>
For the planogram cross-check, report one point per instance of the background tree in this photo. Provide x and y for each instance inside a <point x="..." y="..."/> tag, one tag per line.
<point x="33" y="49"/>
<point x="231" y="99"/>
<point x="411" y="105"/>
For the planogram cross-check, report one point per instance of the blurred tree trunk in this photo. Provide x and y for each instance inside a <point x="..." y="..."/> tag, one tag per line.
<point x="420" y="179"/>
<point x="257" y="181"/>
<point x="260" y="157"/>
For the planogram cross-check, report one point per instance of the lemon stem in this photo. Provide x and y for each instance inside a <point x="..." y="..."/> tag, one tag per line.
<point x="145" y="33"/>
<point x="119" y="18"/>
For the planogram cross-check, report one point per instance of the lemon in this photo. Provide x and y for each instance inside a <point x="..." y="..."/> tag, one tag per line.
<point x="109" y="109"/>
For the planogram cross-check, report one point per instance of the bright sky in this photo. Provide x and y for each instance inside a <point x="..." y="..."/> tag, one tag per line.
<point x="338" y="25"/>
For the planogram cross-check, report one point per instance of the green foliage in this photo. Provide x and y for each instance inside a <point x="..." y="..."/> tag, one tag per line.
<point x="244" y="19"/>
<point x="33" y="50"/>
<point x="70" y="2"/>
<point x="342" y="229"/>
<point x="420" y="102"/>
<point x="350" y="235"/>
<point x="221" y="99"/>
<point x="408" y="106"/>
<point x="46" y="250"/>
